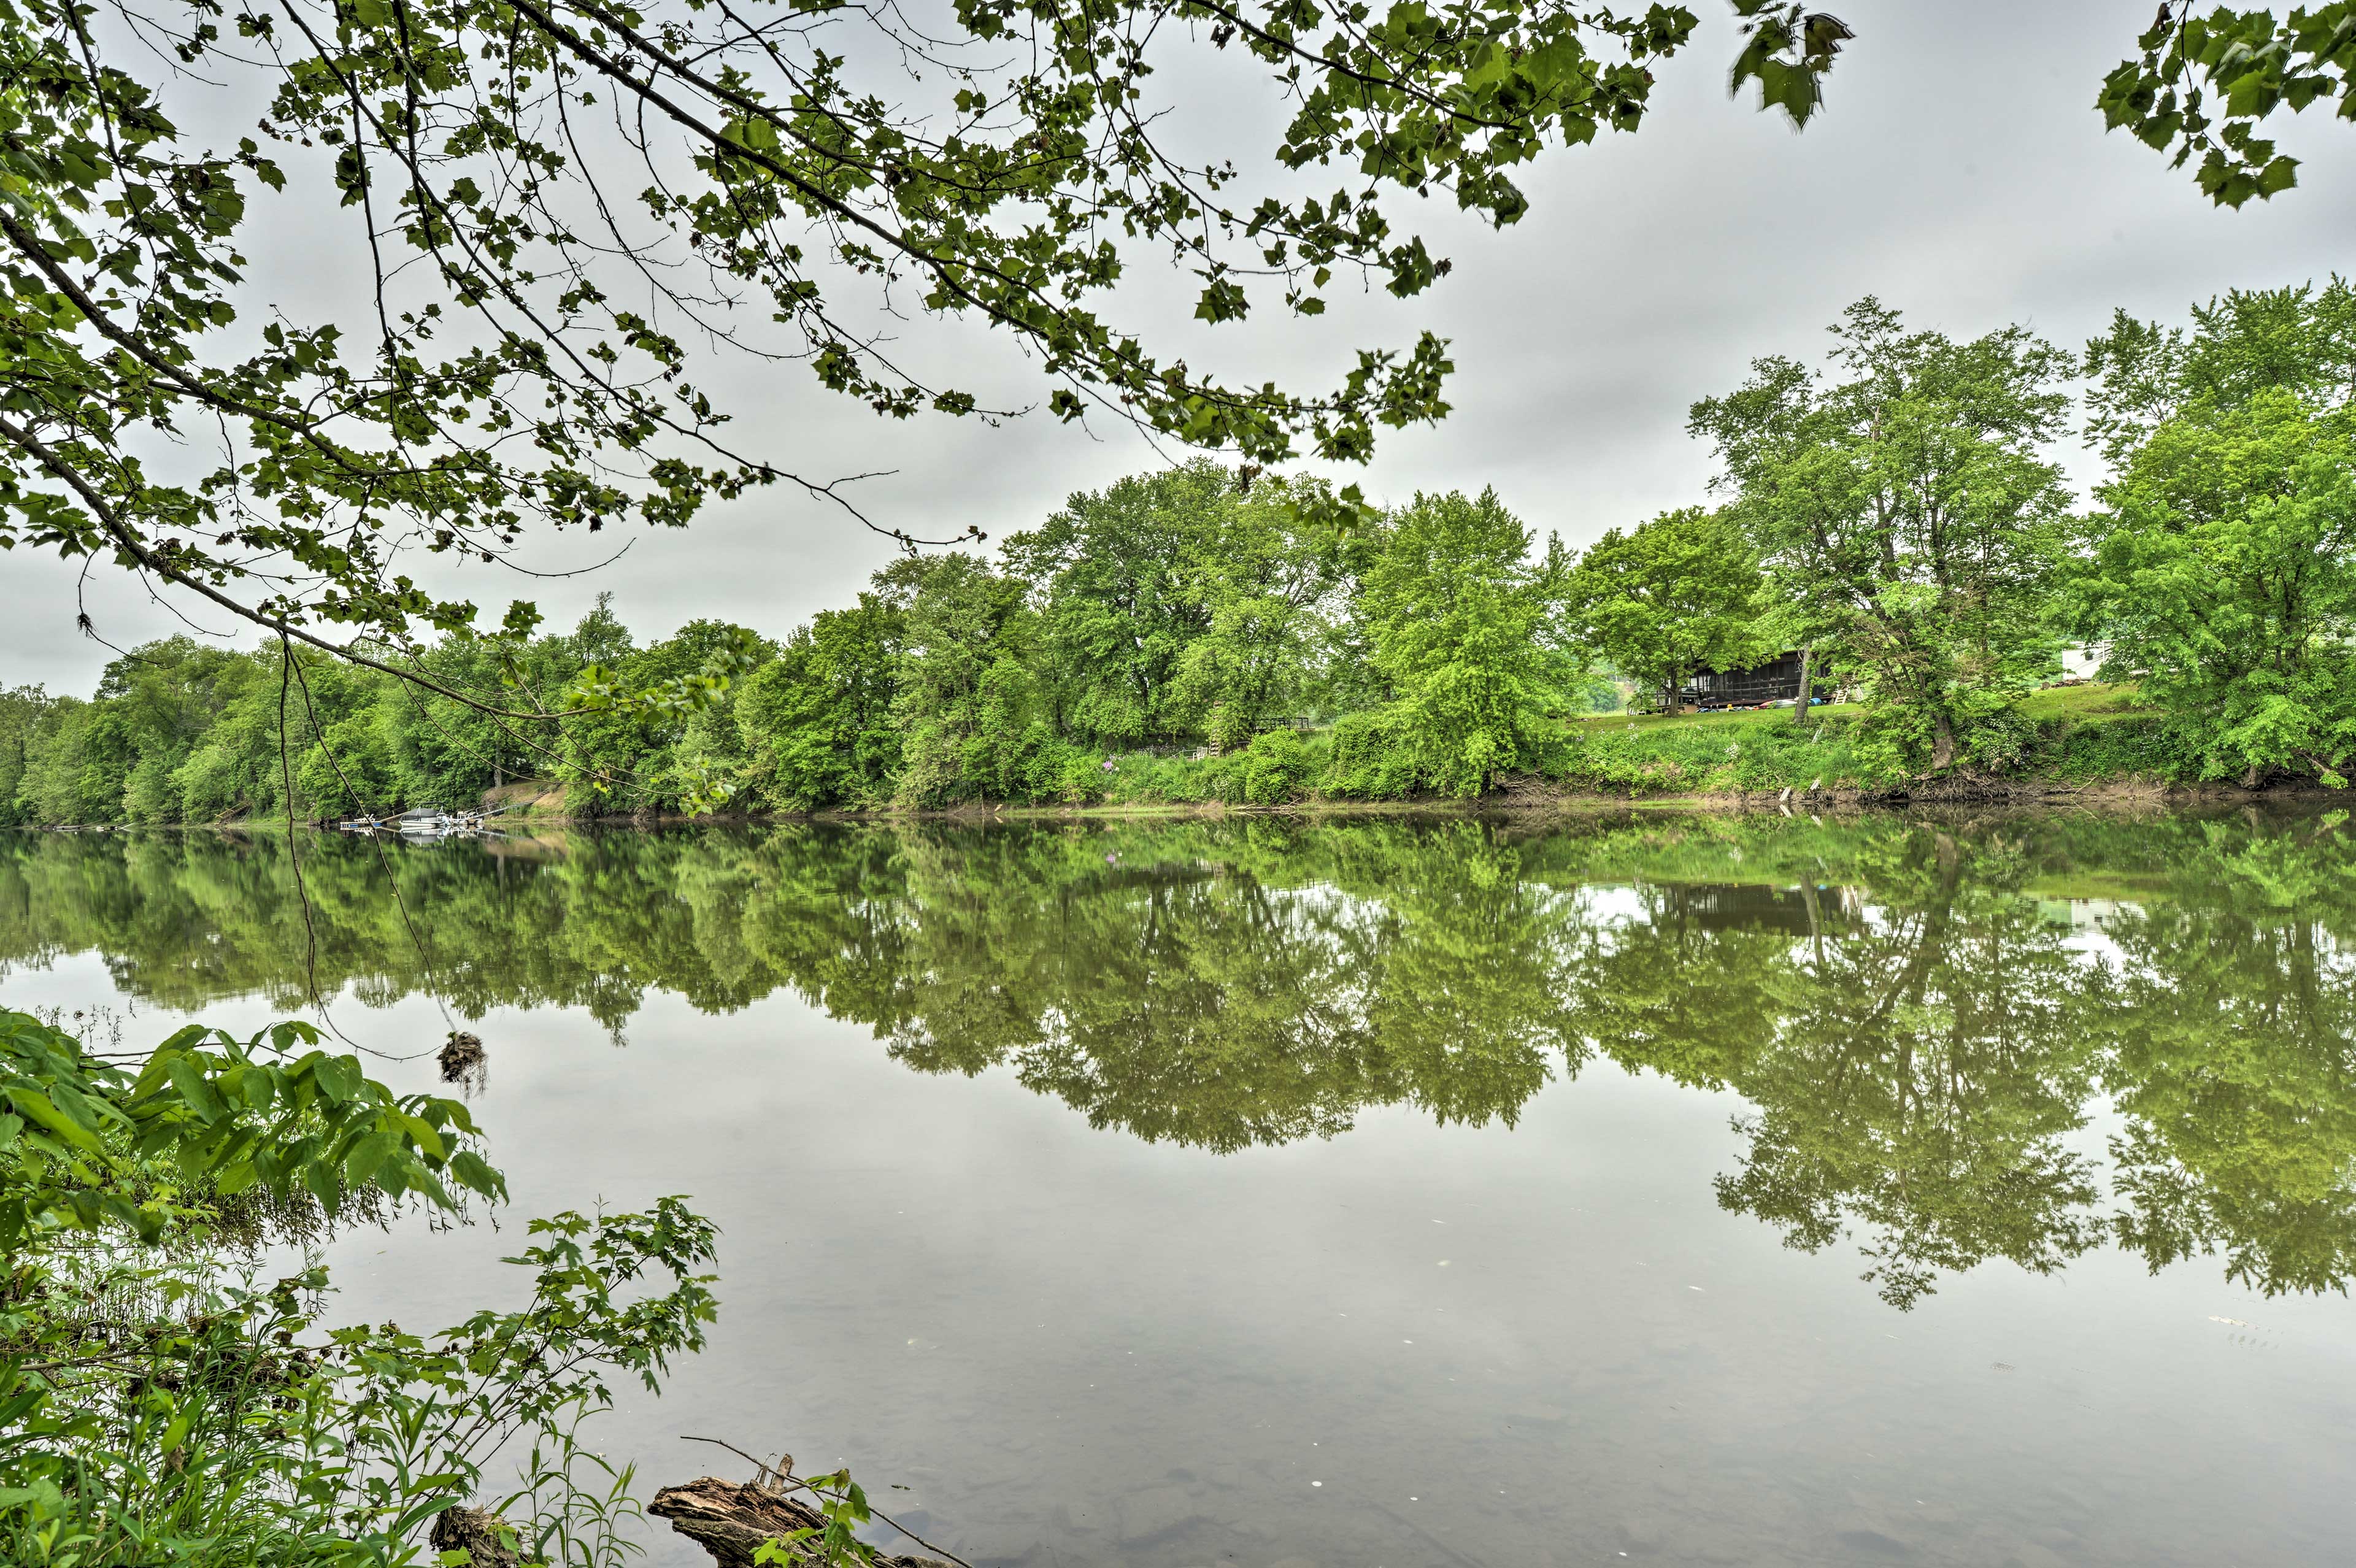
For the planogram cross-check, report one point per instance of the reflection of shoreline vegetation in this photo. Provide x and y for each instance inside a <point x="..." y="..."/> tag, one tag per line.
<point x="1918" y="1037"/>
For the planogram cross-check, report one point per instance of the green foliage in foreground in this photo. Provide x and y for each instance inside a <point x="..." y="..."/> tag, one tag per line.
<point x="160" y="1406"/>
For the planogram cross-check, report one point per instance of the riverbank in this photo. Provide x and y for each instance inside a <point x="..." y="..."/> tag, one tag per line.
<point x="2083" y="745"/>
<point x="2086" y="744"/>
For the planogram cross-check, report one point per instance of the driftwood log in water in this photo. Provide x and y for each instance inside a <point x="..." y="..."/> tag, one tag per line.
<point x="731" y="1519"/>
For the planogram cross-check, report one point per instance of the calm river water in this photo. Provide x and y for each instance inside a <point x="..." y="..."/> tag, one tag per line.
<point x="1392" y="1192"/>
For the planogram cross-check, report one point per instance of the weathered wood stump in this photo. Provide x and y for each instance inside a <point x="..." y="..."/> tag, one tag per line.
<point x="731" y="1519"/>
<point x="474" y="1531"/>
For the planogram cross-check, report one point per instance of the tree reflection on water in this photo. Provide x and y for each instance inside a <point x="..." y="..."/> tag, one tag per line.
<point x="1927" y="1019"/>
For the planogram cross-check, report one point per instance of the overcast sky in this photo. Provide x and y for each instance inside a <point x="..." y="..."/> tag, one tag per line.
<point x="1958" y="172"/>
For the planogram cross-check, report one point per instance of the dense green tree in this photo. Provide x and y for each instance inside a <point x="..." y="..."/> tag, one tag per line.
<point x="21" y="709"/>
<point x="2224" y="577"/>
<point x="172" y="692"/>
<point x="1271" y="592"/>
<point x="680" y="749"/>
<point x="75" y="760"/>
<point x="2142" y="374"/>
<point x="342" y="745"/>
<point x="600" y="637"/>
<point x="818" y="721"/>
<point x="596" y="749"/>
<point x="1905" y="511"/>
<point x="1120" y="579"/>
<point x="972" y="716"/>
<point x="235" y="768"/>
<point x="1675" y="595"/>
<point x="452" y="751"/>
<point x="1466" y="631"/>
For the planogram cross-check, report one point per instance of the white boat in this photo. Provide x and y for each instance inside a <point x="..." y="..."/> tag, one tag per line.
<point x="434" y="822"/>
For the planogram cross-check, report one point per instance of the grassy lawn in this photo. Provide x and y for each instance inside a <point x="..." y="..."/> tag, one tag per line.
<point x="2090" y="701"/>
<point x="1743" y="718"/>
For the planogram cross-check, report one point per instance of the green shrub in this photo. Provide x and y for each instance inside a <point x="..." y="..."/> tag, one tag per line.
<point x="2129" y="746"/>
<point x="1276" y="769"/>
<point x="1060" y="773"/>
<point x="1371" y="759"/>
<point x="161" y="1411"/>
<point x="1735" y="752"/>
<point x="151" y="795"/>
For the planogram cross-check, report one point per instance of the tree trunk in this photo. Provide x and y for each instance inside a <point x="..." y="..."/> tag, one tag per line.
<point x="1807" y="659"/>
<point x="1942" y="744"/>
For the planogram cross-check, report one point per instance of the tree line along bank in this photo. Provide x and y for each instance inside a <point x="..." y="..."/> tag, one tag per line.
<point x="1186" y="635"/>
